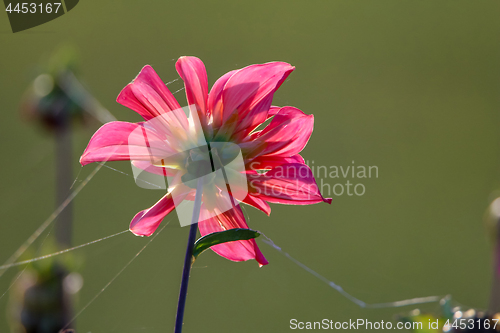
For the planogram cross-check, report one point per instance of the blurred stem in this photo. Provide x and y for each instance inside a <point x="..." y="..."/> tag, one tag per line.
<point x="494" y="306"/>
<point x="63" y="229"/>
<point x="188" y="260"/>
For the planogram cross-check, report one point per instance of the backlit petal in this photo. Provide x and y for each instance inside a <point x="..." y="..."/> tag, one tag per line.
<point x="147" y="221"/>
<point x="215" y="99"/>
<point x="236" y="251"/>
<point x="258" y="203"/>
<point x="118" y="141"/>
<point x="193" y="72"/>
<point x="157" y="170"/>
<point x="148" y="95"/>
<point x="249" y="93"/>
<point x="270" y="162"/>
<point x="286" y="135"/>
<point x="286" y="184"/>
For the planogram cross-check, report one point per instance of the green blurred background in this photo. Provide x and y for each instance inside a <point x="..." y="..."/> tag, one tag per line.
<point x="409" y="86"/>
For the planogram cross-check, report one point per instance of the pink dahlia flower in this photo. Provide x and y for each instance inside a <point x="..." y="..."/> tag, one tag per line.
<point x="238" y="103"/>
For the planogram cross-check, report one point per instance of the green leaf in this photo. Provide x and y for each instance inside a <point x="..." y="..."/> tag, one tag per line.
<point x="215" y="238"/>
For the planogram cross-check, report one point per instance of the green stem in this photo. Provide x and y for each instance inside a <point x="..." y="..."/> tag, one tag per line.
<point x="188" y="259"/>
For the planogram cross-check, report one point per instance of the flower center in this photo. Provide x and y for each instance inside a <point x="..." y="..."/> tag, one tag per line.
<point x="205" y="160"/>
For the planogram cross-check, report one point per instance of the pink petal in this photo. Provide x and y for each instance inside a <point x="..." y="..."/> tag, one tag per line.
<point x="271" y="162"/>
<point x="147" y="221"/>
<point x="273" y="110"/>
<point x="149" y="167"/>
<point x="258" y="203"/>
<point x="118" y="141"/>
<point x="148" y="95"/>
<point x="286" y="184"/>
<point x="286" y="135"/>
<point x="249" y="92"/>
<point x="215" y="99"/>
<point x="193" y="72"/>
<point x="236" y="251"/>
